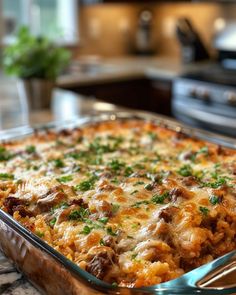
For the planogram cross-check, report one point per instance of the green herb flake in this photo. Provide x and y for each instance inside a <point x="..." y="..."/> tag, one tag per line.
<point x="5" y="155"/>
<point x="52" y="222"/>
<point x="115" y="208"/>
<point x="116" y="165"/>
<point x="59" y="163"/>
<point x="65" y="178"/>
<point x="137" y="204"/>
<point x="30" y="149"/>
<point x="139" y="183"/>
<point x="214" y="200"/>
<point x="185" y="170"/>
<point x="86" y="230"/>
<point x="152" y="135"/>
<point x="148" y="186"/>
<point x="39" y="234"/>
<point x="160" y="199"/>
<point x="128" y="171"/>
<point x="134" y="192"/>
<point x="111" y="232"/>
<point x="133" y="256"/>
<point x="114" y="285"/>
<point x="204" y="210"/>
<point x="103" y="220"/>
<point x="86" y="185"/>
<point x="102" y="243"/>
<point x="80" y="214"/>
<point x="6" y="176"/>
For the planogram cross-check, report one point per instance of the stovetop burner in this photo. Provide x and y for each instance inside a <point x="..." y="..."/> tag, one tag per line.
<point x="214" y="73"/>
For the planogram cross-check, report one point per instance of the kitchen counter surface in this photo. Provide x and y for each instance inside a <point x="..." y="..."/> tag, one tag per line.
<point x="86" y="71"/>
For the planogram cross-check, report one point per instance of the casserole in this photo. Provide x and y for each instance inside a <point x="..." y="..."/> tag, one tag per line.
<point x="160" y="198"/>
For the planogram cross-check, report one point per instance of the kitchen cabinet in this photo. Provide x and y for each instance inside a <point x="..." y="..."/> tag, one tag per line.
<point x="144" y="94"/>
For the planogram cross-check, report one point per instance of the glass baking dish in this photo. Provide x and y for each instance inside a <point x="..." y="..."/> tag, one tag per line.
<point x="54" y="274"/>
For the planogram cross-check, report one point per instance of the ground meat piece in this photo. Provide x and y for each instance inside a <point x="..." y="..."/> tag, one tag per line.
<point x="109" y="242"/>
<point x="104" y="208"/>
<point x="23" y="211"/>
<point x="177" y="192"/>
<point x="79" y="202"/>
<point x="99" y="265"/>
<point x="11" y="203"/>
<point x="50" y="200"/>
<point x="180" y="135"/>
<point x="168" y="213"/>
<point x="190" y="181"/>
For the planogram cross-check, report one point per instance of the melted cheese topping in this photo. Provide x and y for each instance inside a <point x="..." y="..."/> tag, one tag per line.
<point x="133" y="203"/>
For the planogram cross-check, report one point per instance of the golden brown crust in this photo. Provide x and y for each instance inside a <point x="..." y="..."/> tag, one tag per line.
<point x="131" y="202"/>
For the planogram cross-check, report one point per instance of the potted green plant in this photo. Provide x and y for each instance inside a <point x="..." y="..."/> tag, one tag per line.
<point x="37" y="61"/>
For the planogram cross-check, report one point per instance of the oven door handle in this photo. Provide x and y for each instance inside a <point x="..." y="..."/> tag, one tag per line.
<point x="207" y="117"/>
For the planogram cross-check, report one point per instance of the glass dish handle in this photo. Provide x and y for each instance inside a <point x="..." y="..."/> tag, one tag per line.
<point x="216" y="277"/>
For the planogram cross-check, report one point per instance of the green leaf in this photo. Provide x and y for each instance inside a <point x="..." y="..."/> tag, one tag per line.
<point x="65" y="178"/>
<point x="185" y="170"/>
<point x="214" y="200"/>
<point x="30" y="149"/>
<point x="80" y="214"/>
<point x="103" y="220"/>
<point x="86" y="230"/>
<point x="6" y="176"/>
<point x="86" y="184"/>
<point x="159" y="199"/>
<point x="204" y="210"/>
<point x="52" y="222"/>
<point x="111" y="232"/>
<point x="59" y="163"/>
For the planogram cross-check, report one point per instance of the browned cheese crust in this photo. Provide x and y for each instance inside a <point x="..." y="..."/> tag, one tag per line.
<point x="133" y="203"/>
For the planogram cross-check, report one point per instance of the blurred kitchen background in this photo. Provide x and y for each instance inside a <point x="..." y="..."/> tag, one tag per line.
<point x="174" y="58"/>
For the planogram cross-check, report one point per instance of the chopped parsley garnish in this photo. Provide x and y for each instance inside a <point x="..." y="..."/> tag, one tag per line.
<point x="103" y="220"/>
<point x="204" y="210"/>
<point x="99" y="148"/>
<point x="102" y="243"/>
<point x="204" y="150"/>
<point x="137" y="204"/>
<point x="134" y="192"/>
<point x="128" y="171"/>
<point x="86" y="230"/>
<point x="5" y="155"/>
<point x="87" y="185"/>
<point x="111" y="232"/>
<point x="39" y="234"/>
<point x="216" y="184"/>
<point x="80" y="214"/>
<point x="6" y="176"/>
<point x="133" y="256"/>
<point x="148" y="186"/>
<point x="152" y="135"/>
<point x="65" y="178"/>
<point x="30" y="149"/>
<point x="115" y="208"/>
<point x="59" y="163"/>
<point x="52" y="222"/>
<point x="160" y="199"/>
<point x="185" y="170"/>
<point x="115" y="180"/>
<point x="116" y="165"/>
<point x="114" y="285"/>
<point x="139" y="183"/>
<point x="214" y="200"/>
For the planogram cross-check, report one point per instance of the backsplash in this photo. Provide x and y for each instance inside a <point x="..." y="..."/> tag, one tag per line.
<point x="110" y="29"/>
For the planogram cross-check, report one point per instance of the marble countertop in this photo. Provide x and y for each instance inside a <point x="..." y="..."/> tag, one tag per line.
<point x="13" y="282"/>
<point x="105" y="70"/>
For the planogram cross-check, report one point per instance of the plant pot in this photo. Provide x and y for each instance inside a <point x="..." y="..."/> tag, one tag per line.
<point x="36" y="92"/>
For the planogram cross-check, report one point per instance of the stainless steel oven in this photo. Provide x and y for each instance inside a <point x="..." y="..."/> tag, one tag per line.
<point x="206" y="97"/>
